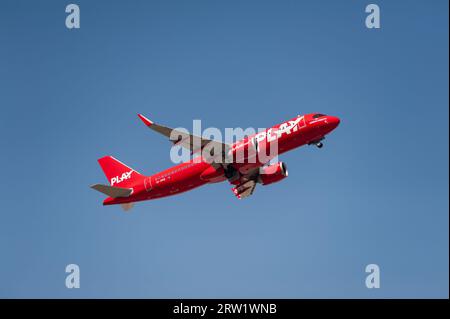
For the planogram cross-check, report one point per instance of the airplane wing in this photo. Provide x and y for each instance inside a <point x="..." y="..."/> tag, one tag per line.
<point x="191" y="142"/>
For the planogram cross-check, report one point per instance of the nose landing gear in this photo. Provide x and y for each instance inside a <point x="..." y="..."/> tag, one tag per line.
<point x="317" y="143"/>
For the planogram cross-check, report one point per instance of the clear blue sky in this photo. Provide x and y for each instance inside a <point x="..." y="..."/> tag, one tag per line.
<point x="376" y="193"/>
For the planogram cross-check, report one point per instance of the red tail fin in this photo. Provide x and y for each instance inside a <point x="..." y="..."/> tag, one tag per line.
<point x="118" y="174"/>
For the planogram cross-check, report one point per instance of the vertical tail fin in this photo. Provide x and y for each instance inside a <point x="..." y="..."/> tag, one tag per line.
<point x="119" y="174"/>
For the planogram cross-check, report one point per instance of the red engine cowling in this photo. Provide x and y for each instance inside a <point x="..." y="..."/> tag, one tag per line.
<point x="273" y="173"/>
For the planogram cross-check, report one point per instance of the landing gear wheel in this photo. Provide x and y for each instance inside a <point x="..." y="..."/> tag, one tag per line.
<point x="319" y="145"/>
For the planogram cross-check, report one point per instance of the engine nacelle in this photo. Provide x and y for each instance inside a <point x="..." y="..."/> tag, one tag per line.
<point x="273" y="173"/>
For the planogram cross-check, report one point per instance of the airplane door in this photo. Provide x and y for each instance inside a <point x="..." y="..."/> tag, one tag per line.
<point x="148" y="183"/>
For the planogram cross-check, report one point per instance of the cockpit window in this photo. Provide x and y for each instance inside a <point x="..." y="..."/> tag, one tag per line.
<point x="315" y="116"/>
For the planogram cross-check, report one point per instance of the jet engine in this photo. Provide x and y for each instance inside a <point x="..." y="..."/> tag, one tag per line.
<point x="272" y="173"/>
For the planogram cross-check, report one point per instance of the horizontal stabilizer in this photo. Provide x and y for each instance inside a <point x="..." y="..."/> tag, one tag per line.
<point x="112" y="191"/>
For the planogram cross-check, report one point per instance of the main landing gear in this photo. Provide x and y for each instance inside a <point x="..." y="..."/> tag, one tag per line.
<point x="231" y="173"/>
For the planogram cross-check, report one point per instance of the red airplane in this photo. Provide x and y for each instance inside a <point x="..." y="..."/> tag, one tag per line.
<point x="244" y="163"/>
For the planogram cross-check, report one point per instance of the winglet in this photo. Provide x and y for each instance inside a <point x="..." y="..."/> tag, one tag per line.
<point x="145" y="120"/>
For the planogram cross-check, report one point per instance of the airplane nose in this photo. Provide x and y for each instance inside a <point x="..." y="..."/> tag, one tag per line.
<point x="333" y="121"/>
